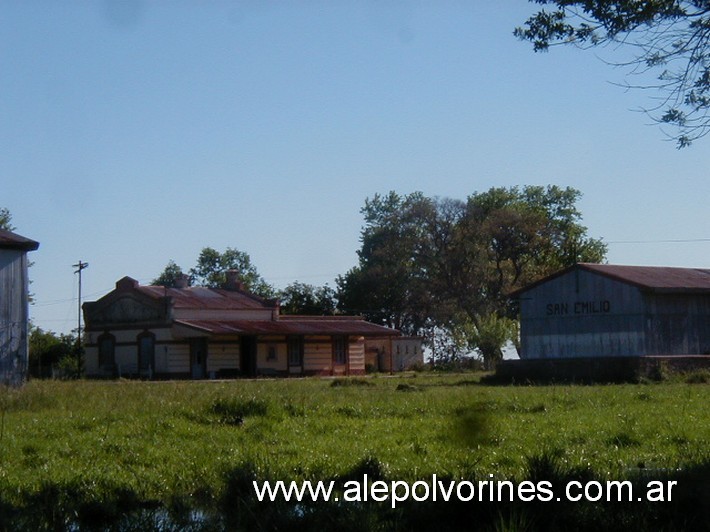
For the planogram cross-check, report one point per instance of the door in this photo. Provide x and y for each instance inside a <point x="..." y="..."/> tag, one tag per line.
<point x="247" y="350"/>
<point x="198" y="358"/>
<point x="295" y="354"/>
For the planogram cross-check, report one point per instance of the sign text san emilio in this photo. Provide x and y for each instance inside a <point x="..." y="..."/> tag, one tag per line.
<point x="578" y="307"/>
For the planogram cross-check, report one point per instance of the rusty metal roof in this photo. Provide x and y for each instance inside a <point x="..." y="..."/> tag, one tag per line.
<point x="10" y="240"/>
<point x="200" y="297"/>
<point x="662" y="279"/>
<point x="656" y="278"/>
<point x="302" y="325"/>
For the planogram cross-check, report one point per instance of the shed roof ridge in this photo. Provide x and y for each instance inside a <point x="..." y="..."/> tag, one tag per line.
<point x="11" y="240"/>
<point x="632" y="275"/>
<point x="621" y="272"/>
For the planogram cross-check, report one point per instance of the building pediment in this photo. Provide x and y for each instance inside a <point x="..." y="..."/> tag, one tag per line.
<point x="127" y="309"/>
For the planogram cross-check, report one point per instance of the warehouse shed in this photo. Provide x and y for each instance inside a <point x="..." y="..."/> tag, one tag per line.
<point x="14" y="297"/>
<point x="604" y="310"/>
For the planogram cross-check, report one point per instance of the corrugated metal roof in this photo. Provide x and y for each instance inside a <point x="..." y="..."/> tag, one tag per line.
<point x="316" y="325"/>
<point x="10" y="240"/>
<point x="656" y="277"/>
<point x="199" y="297"/>
<point x="652" y="278"/>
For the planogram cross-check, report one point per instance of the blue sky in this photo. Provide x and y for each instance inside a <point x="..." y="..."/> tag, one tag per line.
<point x="133" y="133"/>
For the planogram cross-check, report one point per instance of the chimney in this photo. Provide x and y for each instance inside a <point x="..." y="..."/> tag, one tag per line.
<point x="233" y="281"/>
<point x="182" y="281"/>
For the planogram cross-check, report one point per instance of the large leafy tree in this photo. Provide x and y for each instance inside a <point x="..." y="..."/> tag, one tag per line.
<point x="306" y="299"/>
<point x="431" y="264"/>
<point x="667" y="37"/>
<point x="212" y="266"/>
<point x="48" y="351"/>
<point x="386" y="285"/>
<point x="170" y="276"/>
<point x="211" y="271"/>
<point x="523" y="235"/>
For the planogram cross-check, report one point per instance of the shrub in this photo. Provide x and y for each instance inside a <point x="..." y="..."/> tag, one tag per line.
<point x="698" y="377"/>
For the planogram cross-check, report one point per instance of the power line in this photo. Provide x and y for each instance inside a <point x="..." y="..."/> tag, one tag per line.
<point x="674" y="241"/>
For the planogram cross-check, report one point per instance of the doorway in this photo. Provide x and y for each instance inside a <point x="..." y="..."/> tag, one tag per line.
<point x="247" y="351"/>
<point x="198" y="358"/>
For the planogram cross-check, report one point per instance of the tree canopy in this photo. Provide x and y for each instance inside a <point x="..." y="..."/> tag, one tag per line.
<point x="211" y="271"/>
<point x="306" y="299"/>
<point x="49" y="351"/>
<point x="170" y="276"/>
<point x="432" y="264"/>
<point x="668" y="37"/>
<point x="5" y="218"/>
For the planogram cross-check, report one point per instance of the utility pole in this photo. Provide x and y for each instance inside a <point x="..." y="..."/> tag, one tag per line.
<point x="79" y="267"/>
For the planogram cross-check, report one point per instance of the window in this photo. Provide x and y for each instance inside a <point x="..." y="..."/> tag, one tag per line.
<point x="107" y="351"/>
<point x="271" y="354"/>
<point x="146" y="352"/>
<point x="340" y="349"/>
<point x="295" y="351"/>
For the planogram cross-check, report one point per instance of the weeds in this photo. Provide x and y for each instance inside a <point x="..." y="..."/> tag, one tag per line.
<point x="174" y="454"/>
<point x="352" y="381"/>
<point x="231" y="411"/>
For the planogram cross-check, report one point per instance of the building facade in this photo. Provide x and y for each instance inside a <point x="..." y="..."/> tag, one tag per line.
<point x="14" y="313"/>
<point x="602" y="310"/>
<point x="394" y="354"/>
<point x="198" y="332"/>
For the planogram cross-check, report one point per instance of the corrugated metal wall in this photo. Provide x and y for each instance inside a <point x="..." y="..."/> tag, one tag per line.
<point x="13" y="316"/>
<point x="582" y="314"/>
<point x="678" y="324"/>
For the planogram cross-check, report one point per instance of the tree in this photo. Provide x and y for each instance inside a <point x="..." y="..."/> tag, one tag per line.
<point x="446" y="265"/>
<point x="490" y="335"/>
<point x="306" y="299"/>
<point x="5" y="218"/>
<point x="5" y="223"/>
<point x="48" y="351"/>
<point x="212" y="266"/>
<point x="211" y="271"/>
<point x="669" y="37"/>
<point x="170" y="276"/>
<point x="525" y="234"/>
<point x="386" y="285"/>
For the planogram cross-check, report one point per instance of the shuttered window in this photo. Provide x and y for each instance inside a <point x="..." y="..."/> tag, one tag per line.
<point x="340" y="349"/>
<point x="295" y="350"/>
<point x="146" y="352"/>
<point x="107" y="351"/>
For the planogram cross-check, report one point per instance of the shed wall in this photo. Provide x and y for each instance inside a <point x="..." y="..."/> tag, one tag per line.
<point x="582" y="314"/>
<point x="678" y="324"/>
<point x="13" y="316"/>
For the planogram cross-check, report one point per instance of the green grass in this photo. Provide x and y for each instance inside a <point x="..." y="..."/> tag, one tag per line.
<point x="111" y="447"/>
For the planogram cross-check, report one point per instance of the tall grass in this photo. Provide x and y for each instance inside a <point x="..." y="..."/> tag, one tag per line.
<point x="94" y="452"/>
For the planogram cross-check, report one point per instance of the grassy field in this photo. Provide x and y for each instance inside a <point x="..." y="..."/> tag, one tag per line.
<point x="93" y="453"/>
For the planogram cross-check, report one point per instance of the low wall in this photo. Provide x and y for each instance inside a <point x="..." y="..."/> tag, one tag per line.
<point x="597" y="369"/>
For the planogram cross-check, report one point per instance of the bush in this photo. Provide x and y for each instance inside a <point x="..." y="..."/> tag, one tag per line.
<point x="698" y="377"/>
